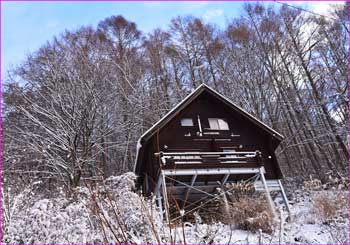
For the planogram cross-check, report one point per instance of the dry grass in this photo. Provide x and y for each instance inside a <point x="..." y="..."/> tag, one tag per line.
<point x="246" y="210"/>
<point x="328" y="202"/>
<point x="252" y="214"/>
<point x="328" y="207"/>
<point x="338" y="183"/>
<point x="240" y="190"/>
<point x="334" y="183"/>
<point x="312" y="184"/>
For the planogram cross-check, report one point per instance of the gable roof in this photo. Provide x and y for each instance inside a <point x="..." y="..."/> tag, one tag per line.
<point x="188" y="99"/>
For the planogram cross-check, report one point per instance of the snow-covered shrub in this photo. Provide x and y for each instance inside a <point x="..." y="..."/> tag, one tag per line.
<point x="11" y="203"/>
<point x="56" y="220"/>
<point x="121" y="183"/>
<point x="108" y="212"/>
<point x="123" y="216"/>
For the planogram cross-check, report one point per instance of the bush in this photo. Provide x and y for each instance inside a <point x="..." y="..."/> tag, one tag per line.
<point x="246" y="210"/>
<point x="328" y="207"/>
<point x="312" y="184"/>
<point x="109" y="213"/>
<point x="252" y="214"/>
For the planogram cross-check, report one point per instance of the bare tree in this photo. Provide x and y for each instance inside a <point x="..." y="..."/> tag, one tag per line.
<point x="76" y="107"/>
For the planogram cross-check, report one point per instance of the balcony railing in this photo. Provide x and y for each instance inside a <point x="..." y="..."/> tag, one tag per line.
<point x="209" y="158"/>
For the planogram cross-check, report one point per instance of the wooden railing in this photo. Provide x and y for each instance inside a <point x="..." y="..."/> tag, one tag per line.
<point x="210" y="158"/>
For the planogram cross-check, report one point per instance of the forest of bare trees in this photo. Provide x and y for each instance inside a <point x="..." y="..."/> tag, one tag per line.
<point x="76" y="107"/>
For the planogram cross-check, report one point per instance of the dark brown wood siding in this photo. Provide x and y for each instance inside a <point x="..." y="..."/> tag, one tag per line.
<point x="243" y="135"/>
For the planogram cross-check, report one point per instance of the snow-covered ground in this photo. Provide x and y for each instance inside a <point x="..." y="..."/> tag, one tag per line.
<point x="114" y="213"/>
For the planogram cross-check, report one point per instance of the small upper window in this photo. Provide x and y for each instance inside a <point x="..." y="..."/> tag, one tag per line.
<point x="218" y="124"/>
<point x="187" y="122"/>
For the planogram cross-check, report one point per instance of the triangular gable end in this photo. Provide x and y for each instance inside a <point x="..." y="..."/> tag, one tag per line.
<point x="192" y="96"/>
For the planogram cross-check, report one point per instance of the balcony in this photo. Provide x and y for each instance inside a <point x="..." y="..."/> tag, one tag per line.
<point x="209" y="160"/>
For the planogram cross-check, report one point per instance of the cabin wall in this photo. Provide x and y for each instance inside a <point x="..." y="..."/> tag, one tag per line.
<point x="243" y="135"/>
<point x="150" y="168"/>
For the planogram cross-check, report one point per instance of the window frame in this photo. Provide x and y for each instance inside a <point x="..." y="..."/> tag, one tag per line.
<point x="186" y="118"/>
<point x="219" y="128"/>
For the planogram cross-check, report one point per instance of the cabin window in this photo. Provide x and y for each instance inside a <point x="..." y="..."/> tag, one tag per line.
<point x="186" y="122"/>
<point x="218" y="124"/>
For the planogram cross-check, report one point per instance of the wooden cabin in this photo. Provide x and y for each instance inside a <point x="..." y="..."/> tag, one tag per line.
<point x="204" y="142"/>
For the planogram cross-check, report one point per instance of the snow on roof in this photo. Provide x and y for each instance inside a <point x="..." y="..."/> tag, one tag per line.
<point x="202" y="86"/>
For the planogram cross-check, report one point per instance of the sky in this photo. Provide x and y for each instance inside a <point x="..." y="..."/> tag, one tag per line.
<point x="25" y="26"/>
